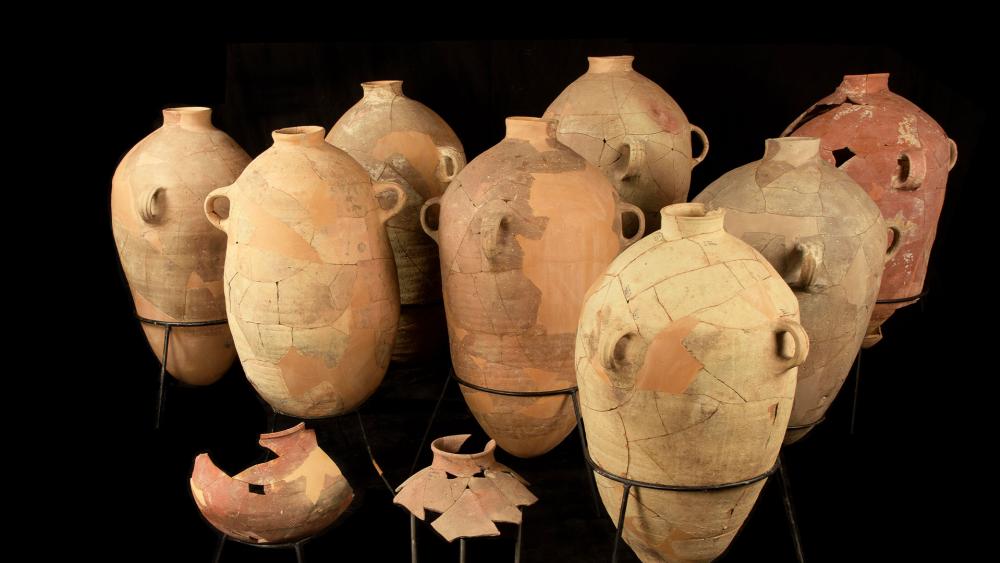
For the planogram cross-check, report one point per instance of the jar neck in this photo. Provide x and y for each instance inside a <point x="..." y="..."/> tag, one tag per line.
<point x="685" y="220"/>
<point x="532" y="129"/>
<point x="447" y="458"/>
<point x="864" y="83"/>
<point x="795" y="151"/>
<point x="619" y="63"/>
<point x="307" y="135"/>
<point x="382" y="89"/>
<point x="188" y="117"/>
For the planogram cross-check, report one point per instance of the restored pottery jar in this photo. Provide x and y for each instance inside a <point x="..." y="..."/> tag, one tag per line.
<point x="297" y="494"/>
<point x="686" y="359"/>
<point x="525" y="229"/>
<point x="827" y="239"/>
<point x="471" y="492"/>
<point x="901" y="157"/>
<point x="633" y="130"/>
<point x="403" y="141"/>
<point x="171" y="255"/>
<point x="311" y="287"/>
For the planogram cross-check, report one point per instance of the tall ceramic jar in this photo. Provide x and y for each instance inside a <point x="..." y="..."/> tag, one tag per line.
<point x="171" y="255"/>
<point x="311" y="287"/>
<point x="827" y="239"/>
<point x="401" y="140"/>
<point x="901" y="157"/>
<point x="525" y="229"/>
<point x="686" y="360"/>
<point x="633" y="130"/>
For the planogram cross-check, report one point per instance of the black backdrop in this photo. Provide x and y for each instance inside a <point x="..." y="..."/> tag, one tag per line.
<point x="890" y="489"/>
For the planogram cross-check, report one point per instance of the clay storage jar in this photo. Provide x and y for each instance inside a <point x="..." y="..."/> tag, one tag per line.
<point x="827" y="239"/>
<point x="633" y="130"/>
<point x="901" y="157"/>
<point x="525" y="229"/>
<point x="172" y="257"/>
<point x="402" y="140"/>
<point x="311" y="287"/>
<point x="686" y="360"/>
<point x="297" y="494"/>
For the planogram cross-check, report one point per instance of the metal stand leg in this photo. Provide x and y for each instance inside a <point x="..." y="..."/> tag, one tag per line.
<point x="371" y="456"/>
<point x="857" y="388"/>
<point x="588" y="475"/>
<point x="786" y="493"/>
<point x="299" y="556"/>
<point x="413" y="539"/>
<point x="163" y="374"/>
<point x="461" y="550"/>
<point x="218" y="549"/>
<point x="627" y="488"/>
<point x="517" y="546"/>
<point x="430" y="423"/>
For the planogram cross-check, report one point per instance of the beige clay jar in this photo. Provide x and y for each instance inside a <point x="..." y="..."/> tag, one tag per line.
<point x="901" y="157"/>
<point x="828" y="240"/>
<point x="311" y="287"/>
<point x="633" y="130"/>
<point x="525" y="229"/>
<point x="686" y="357"/>
<point x="401" y="140"/>
<point x="171" y="255"/>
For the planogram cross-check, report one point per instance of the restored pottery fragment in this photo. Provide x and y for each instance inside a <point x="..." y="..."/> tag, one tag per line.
<point x="311" y="288"/>
<point x="525" y="229"/>
<point x="172" y="257"/>
<point x="901" y="157"/>
<point x="827" y="239"/>
<point x="633" y="130"/>
<point x="296" y="495"/>
<point x="470" y="492"/>
<point x="686" y="358"/>
<point x="401" y="140"/>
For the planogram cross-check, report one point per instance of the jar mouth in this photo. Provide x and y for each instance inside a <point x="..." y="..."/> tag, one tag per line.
<point x="299" y="130"/>
<point x="187" y="110"/>
<point x="612" y="63"/>
<point x="287" y="432"/>
<point x="188" y="116"/>
<point x="690" y="211"/>
<point x="529" y="119"/>
<point x="450" y="446"/>
<point x="301" y="134"/>
<point x="382" y="83"/>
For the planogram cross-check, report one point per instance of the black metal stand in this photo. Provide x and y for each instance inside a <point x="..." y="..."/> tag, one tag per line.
<point x="629" y="483"/>
<point x="168" y="327"/>
<point x="572" y="391"/>
<point x="296" y="545"/>
<point x="461" y="543"/>
<point x="786" y="495"/>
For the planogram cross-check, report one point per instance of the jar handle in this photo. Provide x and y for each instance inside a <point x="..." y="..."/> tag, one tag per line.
<point x="627" y="208"/>
<point x="704" y="145"/>
<point x="214" y="218"/>
<point x="384" y="189"/>
<point x="146" y="206"/>
<point x="801" y="339"/>
<point x="451" y="161"/>
<point x="433" y="233"/>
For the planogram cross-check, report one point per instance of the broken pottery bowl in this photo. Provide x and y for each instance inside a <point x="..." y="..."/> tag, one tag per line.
<point x="298" y="494"/>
